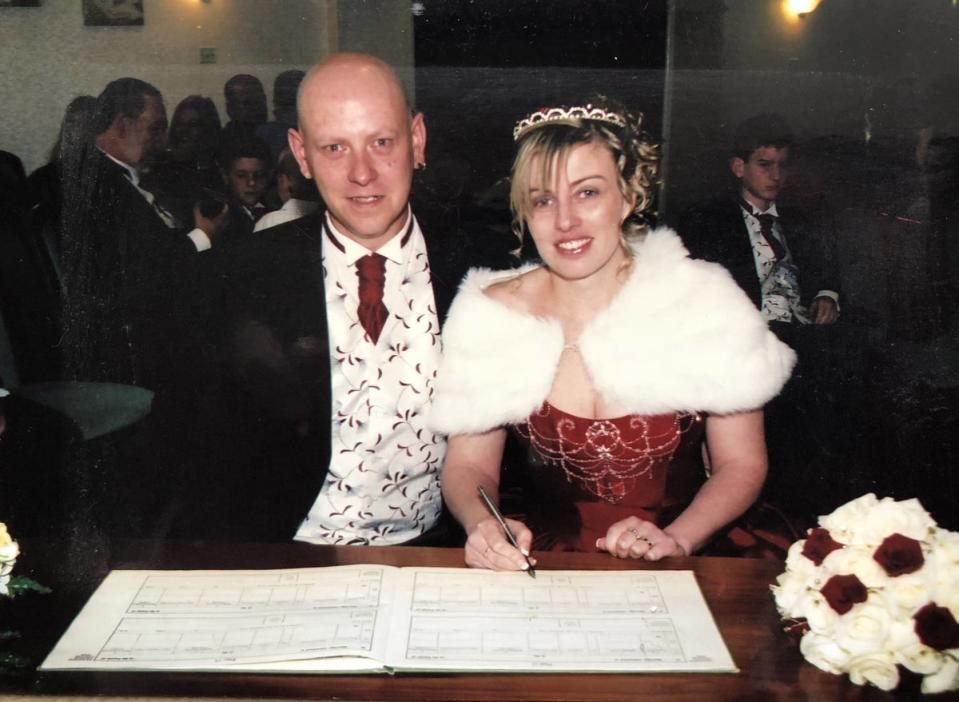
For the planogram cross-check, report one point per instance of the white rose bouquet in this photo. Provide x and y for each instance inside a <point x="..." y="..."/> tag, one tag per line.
<point x="875" y="587"/>
<point x="11" y="586"/>
<point x="9" y="550"/>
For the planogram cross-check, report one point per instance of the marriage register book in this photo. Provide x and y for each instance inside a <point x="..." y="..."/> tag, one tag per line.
<point x="375" y="618"/>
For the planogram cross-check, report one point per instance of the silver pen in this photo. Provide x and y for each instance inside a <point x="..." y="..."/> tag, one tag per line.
<point x="506" y="530"/>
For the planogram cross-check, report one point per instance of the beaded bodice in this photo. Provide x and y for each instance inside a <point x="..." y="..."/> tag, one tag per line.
<point x="605" y="457"/>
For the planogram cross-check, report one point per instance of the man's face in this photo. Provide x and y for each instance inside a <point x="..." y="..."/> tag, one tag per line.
<point x="358" y="142"/>
<point x="246" y="102"/>
<point x="248" y="179"/>
<point x="145" y="136"/>
<point x="763" y="175"/>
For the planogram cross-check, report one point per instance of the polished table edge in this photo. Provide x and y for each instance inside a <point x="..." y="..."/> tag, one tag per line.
<point x="736" y="590"/>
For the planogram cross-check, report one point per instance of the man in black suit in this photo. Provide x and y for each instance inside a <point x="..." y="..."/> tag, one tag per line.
<point x="783" y="261"/>
<point x="133" y="295"/>
<point x="334" y="336"/>
<point x="787" y="264"/>
<point x="129" y="270"/>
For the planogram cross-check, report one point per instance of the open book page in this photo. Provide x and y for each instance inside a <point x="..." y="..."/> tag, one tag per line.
<point x="232" y="620"/>
<point x="371" y="618"/>
<point x="618" y="621"/>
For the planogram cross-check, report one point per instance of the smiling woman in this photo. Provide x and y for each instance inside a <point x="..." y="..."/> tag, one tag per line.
<point x="618" y="358"/>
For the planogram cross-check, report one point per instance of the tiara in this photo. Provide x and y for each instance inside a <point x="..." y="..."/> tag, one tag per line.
<point x="564" y="114"/>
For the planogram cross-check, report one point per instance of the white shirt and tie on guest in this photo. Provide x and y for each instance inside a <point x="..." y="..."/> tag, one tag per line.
<point x="382" y="486"/>
<point x="778" y="274"/>
<point x="199" y="237"/>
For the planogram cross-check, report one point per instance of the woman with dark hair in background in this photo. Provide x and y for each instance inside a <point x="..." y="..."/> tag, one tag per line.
<point x="188" y="169"/>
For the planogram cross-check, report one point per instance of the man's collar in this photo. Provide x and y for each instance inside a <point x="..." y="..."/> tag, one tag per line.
<point x="251" y="211"/>
<point x="750" y="208"/>
<point x="131" y="172"/>
<point x="353" y="251"/>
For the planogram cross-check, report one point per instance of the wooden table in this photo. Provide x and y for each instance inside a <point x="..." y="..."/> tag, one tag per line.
<point x="737" y="591"/>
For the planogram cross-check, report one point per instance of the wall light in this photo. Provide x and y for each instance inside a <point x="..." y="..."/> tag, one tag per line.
<point x="801" y="8"/>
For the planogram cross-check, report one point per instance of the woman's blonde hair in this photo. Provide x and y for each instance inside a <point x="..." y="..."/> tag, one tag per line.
<point x="549" y="143"/>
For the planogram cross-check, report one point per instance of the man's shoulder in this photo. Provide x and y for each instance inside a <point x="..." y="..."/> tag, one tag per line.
<point x="469" y="245"/>
<point x="302" y="231"/>
<point x="705" y="225"/>
<point x="277" y="252"/>
<point x="722" y="205"/>
<point x="801" y="215"/>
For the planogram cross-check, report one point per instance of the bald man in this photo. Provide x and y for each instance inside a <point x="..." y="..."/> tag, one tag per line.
<point x="336" y="330"/>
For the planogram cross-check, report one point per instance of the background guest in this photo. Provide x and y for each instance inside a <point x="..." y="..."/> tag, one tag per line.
<point x="247" y="169"/>
<point x="187" y="169"/>
<point x="274" y="133"/>
<point x="297" y="193"/>
<point x="245" y="106"/>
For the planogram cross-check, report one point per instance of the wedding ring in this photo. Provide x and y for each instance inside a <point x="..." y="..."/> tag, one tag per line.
<point x="486" y="552"/>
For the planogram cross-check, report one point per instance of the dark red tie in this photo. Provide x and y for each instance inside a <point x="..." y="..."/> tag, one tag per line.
<point x="766" y="222"/>
<point x="372" y="313"/>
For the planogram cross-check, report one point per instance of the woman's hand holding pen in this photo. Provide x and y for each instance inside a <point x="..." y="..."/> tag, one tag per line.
<point x="488" y="547"/>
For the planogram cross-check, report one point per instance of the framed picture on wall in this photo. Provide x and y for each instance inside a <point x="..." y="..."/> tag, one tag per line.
<point x="112" y="13"/>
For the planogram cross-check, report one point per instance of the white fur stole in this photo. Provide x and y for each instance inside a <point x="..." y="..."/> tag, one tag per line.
<point x="679" y="336"/>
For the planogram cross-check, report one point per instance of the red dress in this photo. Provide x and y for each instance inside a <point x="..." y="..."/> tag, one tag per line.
<point x="584" y="474"/>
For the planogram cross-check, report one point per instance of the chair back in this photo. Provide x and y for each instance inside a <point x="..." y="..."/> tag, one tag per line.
<point x="9" y="378"/>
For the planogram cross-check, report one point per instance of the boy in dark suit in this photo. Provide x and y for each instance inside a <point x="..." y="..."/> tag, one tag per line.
<point x="783" y="261"/>
<point x="787" y="264"/>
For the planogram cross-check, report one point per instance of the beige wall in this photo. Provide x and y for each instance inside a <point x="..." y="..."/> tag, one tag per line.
<point x="50" y="56"/>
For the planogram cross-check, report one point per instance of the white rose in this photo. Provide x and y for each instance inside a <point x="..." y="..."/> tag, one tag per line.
<point x="944" y="559"/>
<point x="946" y="679"/>
<point x="820" y="617"/>
<point x="907" y="593"/>
<point x="823" y="652"/>
<point x="902" y="634"/>
<point x="864" y="629"/>
<point x="788" y="589"/>
<point x="797" y="563"/>
<point x="945" y="547"/>
<point x="944" y="591"/>
<point x="5" y="537"/>
<point x="8" y="556"/>
<point x="890" y="517"/>
<point x="919" y="658"/>
<point x="844" y="521"/>
<point x="878" y="669"/>
<point x="858" y="562"/>
<point x="9" y="550"/>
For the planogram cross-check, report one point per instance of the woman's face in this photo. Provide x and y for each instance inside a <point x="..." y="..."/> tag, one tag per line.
<point x="576" y="220"/>
<point x="189" y="133"/>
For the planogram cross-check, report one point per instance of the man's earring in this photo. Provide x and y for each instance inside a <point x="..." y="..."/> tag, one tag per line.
<point x="421" y="166"/>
